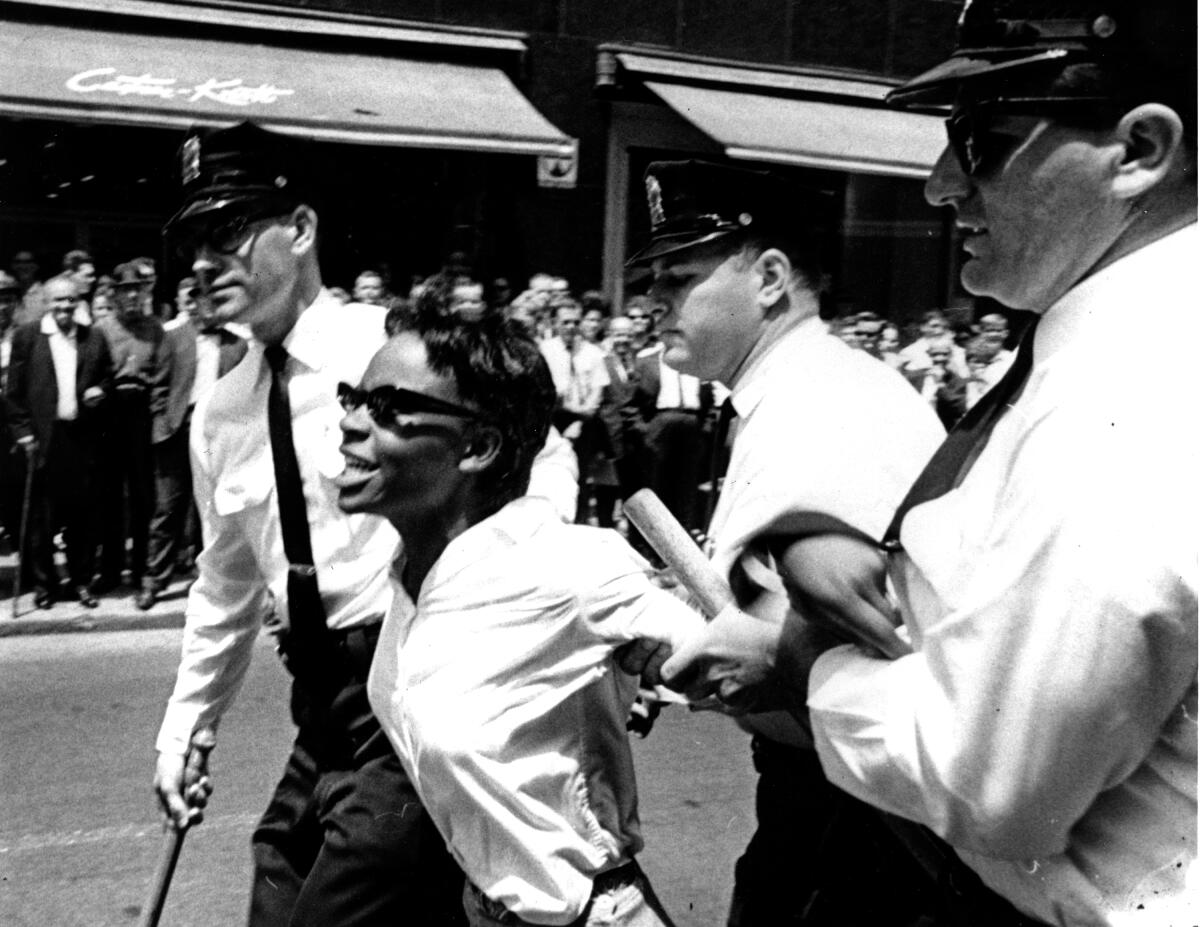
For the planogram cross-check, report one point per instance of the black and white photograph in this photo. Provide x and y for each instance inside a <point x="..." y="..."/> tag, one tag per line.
<point x="598" y="463"/>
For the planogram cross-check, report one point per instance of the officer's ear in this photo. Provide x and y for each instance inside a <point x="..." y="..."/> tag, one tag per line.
<point x="304" y="229"/>
<point x="1151" y="143"/>
<point x="774" y="271"/>
<point x="481" y="450"/>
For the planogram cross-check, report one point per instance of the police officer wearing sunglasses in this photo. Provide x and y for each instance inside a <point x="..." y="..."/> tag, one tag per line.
<point x="344" y="839"/>
<point x="1037" y="750"/>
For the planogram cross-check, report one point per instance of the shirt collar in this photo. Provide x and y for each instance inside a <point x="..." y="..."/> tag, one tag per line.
<point x="50" y="327"/>
<point x="753" y="385"/>
<point x="1108" y="297"/>
<point x="514" y="523"/>
<point x="308" y="341"/>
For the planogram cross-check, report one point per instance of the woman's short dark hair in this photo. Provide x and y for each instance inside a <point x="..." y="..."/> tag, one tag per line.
<point x="497" y="369"/>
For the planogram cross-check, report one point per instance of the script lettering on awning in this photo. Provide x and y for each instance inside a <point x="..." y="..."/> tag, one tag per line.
<point x="231" y="92"/>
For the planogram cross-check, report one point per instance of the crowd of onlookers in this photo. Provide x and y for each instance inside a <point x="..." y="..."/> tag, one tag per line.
<point x="110" y="482"/>
<point x="99" y="383"/>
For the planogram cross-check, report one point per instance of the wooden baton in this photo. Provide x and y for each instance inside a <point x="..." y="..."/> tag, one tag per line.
<point x="711" y="591"/>
<point x="195" y="766"/>
<point x="668" y="537"/>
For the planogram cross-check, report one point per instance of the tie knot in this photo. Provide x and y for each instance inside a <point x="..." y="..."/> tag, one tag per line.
<point x="276" y="355"/>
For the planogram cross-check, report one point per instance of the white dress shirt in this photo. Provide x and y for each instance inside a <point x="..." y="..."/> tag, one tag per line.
<point x="1046" y="724"/>
<point x="64" y="351"/>
<point x="579" y="374"/>
<point x="821" y="428"/>
<point x="499" y="692"/>
<point x="243" y="570"/>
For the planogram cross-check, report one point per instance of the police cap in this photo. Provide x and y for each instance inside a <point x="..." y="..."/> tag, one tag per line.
<point x="240" y="169"/>
<point x="692" y="202"/>
<point x="132" y="274"/>
<point x="1037" y="51"/>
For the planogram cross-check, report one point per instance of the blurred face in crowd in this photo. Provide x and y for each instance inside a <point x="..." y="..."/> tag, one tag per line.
<point x="185" y="297"/>
<point x="592" y="325"/>
<point x="566" y="324"/>
<point x="129" y="302"/>
<point x="1043" y="178"/>
<point x="620" y="333"/>
<point x="889" y="340"/>
<point x="934" y="327"/>
<point x="101" y="305"/>
<point x="639" y="317"/>
<point x="466" y="299"/>
<point x="61" y="298"/>
<point x="868" y="336"/>
<point x="368" y="288"/>
<point x="994" y="327"/>
<point x="939" y="354"/>
<point x="712" y="317"/>
<point x="250" y="269"/>
<point x="8" y="305"/>
<point x="24" y="268"/>
<point x="85" y="277"/>
<point x="847" y="331"/>
<point x="401" y="463"/>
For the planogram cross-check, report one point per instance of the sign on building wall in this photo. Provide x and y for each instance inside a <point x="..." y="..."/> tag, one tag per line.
<point x="559" y="172"/>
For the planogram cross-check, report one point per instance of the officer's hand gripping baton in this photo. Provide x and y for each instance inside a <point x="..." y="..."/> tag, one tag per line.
<point x="195" y="766"/>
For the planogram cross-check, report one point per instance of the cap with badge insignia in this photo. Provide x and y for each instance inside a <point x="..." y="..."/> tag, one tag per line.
<point x="241" y="169"/>
<point x="1034" y="52"/>
<point x="693" y="202"/>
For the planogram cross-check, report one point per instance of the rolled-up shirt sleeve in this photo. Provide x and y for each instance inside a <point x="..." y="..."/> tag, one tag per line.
<point x="1063" y="642"/>
<point x="225" y="609"/>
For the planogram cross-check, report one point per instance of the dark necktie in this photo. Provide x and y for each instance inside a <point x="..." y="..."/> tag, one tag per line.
<point x="962" y="447"/>
<point x="306" y="613"/>
<point x="719" y="461"/>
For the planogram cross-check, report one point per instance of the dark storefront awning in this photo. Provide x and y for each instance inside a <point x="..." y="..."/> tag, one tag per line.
<point x="64" y="72"/>
<point x="822" y="122"/>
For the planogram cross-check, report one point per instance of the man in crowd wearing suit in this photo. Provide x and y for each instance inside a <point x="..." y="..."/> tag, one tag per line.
<point x="60" y="374"/>
<point x="169" y="440"/>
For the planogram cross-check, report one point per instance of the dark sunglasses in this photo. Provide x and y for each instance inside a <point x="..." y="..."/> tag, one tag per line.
<point x="979" y="147"/>
<point x="387" y="403"/>
<point x="223" y="237"/>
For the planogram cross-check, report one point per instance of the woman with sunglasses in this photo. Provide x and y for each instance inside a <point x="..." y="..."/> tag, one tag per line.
<point x="494" y="676"/>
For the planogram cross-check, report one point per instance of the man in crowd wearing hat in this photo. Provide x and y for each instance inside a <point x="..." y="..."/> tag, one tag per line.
<point x="141" y="385"/>
<point x="827" y="440"/>
<point x="344" y="839"/>
<point x="1045" y="562"/>
<point x="59" y="377"/>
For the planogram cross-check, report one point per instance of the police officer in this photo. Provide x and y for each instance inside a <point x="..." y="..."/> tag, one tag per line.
<point x="1045" y="562"/>
<point x="344" y="839"/>
<point x="827" y="440"/>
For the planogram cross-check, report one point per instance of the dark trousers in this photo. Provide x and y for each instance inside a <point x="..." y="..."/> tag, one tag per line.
<point x="819" y="857"/>
<point x="128" y="487"/>
<point x="172" y="502"/>
<point x="345" y="840"/>
<point x="62" y="497"/>
<point x="676" y="462"/>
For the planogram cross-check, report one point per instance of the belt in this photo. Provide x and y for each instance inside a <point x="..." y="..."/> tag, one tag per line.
<point x="357" y="646"/>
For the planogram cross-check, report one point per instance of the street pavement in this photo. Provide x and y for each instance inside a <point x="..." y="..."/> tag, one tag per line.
<point x="79" y="837"/>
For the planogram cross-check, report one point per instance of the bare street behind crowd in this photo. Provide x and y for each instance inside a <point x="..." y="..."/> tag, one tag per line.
<point x="79" y="835"/>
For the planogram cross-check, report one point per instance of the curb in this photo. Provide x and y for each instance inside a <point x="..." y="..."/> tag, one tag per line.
<point x="28" y="625"/>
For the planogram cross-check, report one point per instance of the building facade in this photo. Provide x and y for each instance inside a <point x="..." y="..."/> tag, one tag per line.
<point x="513" y="132"/>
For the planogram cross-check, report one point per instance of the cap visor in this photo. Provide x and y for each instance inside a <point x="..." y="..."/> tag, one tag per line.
<point x="938" y="87"/>
<point x="669" y="245"/>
